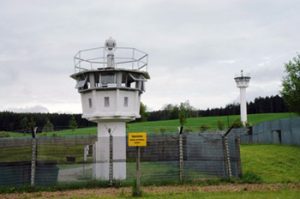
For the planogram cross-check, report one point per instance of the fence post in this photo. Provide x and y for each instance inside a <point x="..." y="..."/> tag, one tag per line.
<point x="85" y="154"/>
<point x="226" y="157"/>
<point x="111" y="169"/>
<point x="238" y="155"/>
<point x="180" y="158"/>
<point x="138" y="172"/>
<point x="33" y="156"/>
<point x="250" y="134"/>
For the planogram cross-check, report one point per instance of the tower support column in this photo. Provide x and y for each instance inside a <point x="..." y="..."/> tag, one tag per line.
<point x="102" y="153"/>
<point x="243" y="106"/>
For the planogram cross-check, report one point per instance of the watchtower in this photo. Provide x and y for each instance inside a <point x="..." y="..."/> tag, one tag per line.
<point x="110" y="80"/>
<point x="242" y="83"/>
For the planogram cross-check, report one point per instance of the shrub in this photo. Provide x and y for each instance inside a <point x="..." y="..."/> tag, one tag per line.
<point x="163" y="130"/>
<point x="73" y="124"/>
<point x="220" y="125"/>
<point x="250" y="177"/>
<point x="237" y="124"/>
<point x="187" y="130"/>
<point x="4" y="134"/>
<point x="48" y="127"/>
<point x="204" y="127"/>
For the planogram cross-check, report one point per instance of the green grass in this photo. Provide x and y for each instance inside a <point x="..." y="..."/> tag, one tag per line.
<point x="281" y="194"/>
<point x="5" y="134"/>
<point x="272" y="163"/>
<point x="155" y="172"/>
<point x="157" y="127"/>
<point x="193" y="124"/>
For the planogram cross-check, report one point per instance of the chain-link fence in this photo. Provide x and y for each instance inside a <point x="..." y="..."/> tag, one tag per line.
<point x="171" y="158"/>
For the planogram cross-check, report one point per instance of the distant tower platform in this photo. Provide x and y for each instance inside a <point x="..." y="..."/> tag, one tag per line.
<point x="242" y="83"/>
<point x="110" y="80"/>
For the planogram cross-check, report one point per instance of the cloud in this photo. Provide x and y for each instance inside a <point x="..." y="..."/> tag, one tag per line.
<point x="33" y="109"/>
<point x="195" y="47"/>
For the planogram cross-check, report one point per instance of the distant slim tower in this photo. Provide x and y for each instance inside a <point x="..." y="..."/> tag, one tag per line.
<point x="110" y="80"/>
<point x="242" y="82"/>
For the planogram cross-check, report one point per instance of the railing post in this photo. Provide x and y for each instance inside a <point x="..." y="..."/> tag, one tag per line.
<point x="33" y="156"/>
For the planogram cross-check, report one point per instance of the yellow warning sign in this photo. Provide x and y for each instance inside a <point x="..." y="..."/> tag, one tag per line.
<point x="137" y="139"/>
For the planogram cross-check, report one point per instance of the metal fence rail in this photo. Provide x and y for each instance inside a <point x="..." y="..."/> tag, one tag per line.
<point x="171" y="158"/>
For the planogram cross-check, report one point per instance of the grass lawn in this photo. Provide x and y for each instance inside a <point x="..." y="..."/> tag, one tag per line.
<point x="232" y="195"/>
<point x="282" y="194"/>
<point x="195" y="123"/>
<point x="272" y="163"/>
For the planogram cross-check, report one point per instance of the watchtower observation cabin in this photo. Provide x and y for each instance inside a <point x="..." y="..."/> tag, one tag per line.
<point x="110" y="81"/>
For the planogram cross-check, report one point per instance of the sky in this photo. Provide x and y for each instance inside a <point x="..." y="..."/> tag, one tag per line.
<point x="195" y="48"/>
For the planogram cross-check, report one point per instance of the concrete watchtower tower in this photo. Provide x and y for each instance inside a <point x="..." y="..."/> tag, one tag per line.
<point x="110" y="80"/>
<point x="242" y="82"/>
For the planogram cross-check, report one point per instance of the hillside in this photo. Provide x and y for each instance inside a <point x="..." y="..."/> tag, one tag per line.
<point x="271" y="163"/>
<point x="193" y="124"/>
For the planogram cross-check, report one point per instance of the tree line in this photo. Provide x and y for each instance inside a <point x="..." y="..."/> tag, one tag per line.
<point x="273" y="104"/>
<point x="24" y="122"/>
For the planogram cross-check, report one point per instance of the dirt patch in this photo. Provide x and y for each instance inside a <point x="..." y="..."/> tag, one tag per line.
<point x="222" y="188"/>
<point x="126" y="191"/>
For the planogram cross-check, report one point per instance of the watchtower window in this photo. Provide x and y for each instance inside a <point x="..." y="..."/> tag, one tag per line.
<point x="90" y="102"/>
<point x="106" y="101"/>
<point x="107" y="79"/>
<point x="96" y="77"/>
<point x="124" y="80"/>
<point x="125" y="101"/>
<point x="81" y="83"/>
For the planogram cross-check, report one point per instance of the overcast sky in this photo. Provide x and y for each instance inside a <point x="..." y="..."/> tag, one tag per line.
<point x="195" y="48"/>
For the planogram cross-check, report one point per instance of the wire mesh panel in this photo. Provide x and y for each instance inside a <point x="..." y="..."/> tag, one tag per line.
<point x="159" y="160"/>
<point x="72" y="157"/>
<point x="15" y="161"/>
<point x="166" y="158"/>
<point x="204" y="157"/>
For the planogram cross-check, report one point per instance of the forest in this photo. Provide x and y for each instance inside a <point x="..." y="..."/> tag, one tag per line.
<point x="24" y="122"/>
<point x="273" y="104"/>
